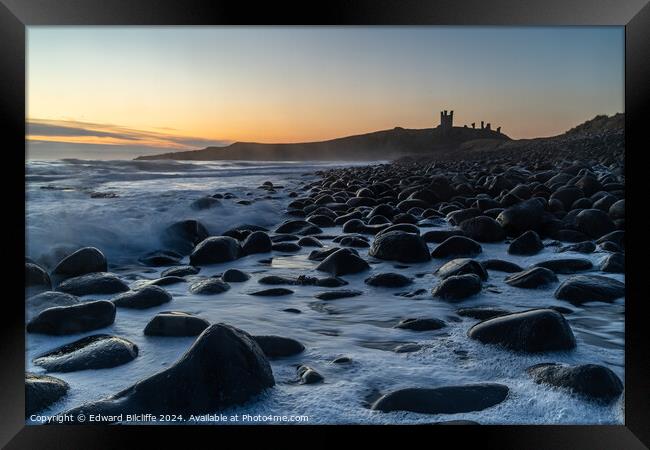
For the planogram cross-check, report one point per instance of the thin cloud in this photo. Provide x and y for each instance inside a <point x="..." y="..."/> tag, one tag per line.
<point x="75" y="132"/>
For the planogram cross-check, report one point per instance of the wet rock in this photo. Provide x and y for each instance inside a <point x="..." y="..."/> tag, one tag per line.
<point x="534" y="331"/>
<point x="566" y="265"/>
<point x="257" y="242"/>
<point x="342" y="360"/>
<point x="309" y="241"/>
<point x="224" y="367"/>
<point x="299" y="227"/>
<point x="462" y="266"/>
<point x="400" y="246"/>
<point x="443" y="400"/>
<point x="500" y="265"/>
<point x="483" y="229"/>
<point x="481" y="313"/>
<point x="308" y="375"/>
<point x="278" y="346"/>
<point x="331" y="282"/>
<point x="532" y="278"/>
<point x="528" y="243"/>
<point x="36" y="276"/>
<point x="292" y="310"/>
<point x="41" y="391"/>
<point x="235" y="276"/>
<point x="164" y="281"/>
<point x="353" y="241"/>
<point x="49" y="299"/>
<point x="180" y="271"/>
<point x="204" y="203"/>
<point x="524" y="216"/>
<point x="594" y="223"/>
<point x="457" y="246"/>
<point x="335" y="295"/>
<point x="617" y="210"/>
<point x="407" y="348"/>
<point x="72" y="319"/>
<point x="320" y="220"/>
<point x="568" y="195"/>
<point x="421" y="324"/>
<point x="390" y="280"/>
<point x="614" y="263"/>
<point x="457" y="287"/>
<point x="589" y="380"/>
<point x="93" y="283"/>
<point x="184" y="235"/>
<point x="320" y="255"/>
<point x="209" y="286"/>
<point x="161" y="258"/>
<point x="99" y="351"/>
<point x="438" y="236"/>
<point x="286" y="247"/>
<point x="83" y="261"/>
<point x="617" y="237"/>
<point x="216" y="249"/>
<point x="580" y="247"/>
<point x="343" y="262"/>
<point x="175" y="323"/>
<point x="580" y="289"/>
<point x="273" y="292"/>
<point x="146" y="297"/>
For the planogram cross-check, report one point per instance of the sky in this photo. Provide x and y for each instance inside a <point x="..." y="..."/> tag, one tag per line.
<point x="143" y="89"/>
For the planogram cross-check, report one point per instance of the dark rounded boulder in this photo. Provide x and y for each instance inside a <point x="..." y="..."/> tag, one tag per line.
<point x="93" y="283"/>
<point x="145" y="297"/>
<point x="521" y="217"/>
<point x="438" y="236"/>
<point x="400" y="246"/>
<point x="257" y="242"/>
<point x="481" y="312"/>
<point x="41" y="391"/>
<point x="224" y="367"/>
<point x="443" y="400"/>
<point x="309" y="241"/>
<point x="278" y="346"/>
<point x="272" y="292"/>
<point x="462" y="266"/>
<point x="72" y="319"/>
<point x="308" y="375"/>
<point x="526" y="244"/>
<point x="567" y="195"/>
<point x="235" y="276"/>
<point x="83" y="261"/>
<point x="390" y="280"/>
<point x="184" y="235"/>
<point x="533" y="331"/>
<point x="209" y="286"/>
<point x="617" y="210"/>
<point x="100" y="351"/>
<point x="343" y="262"/>
<point x="580" y="289"/>
<point x="299" y="227"/>
<point x="457" y="287"/>
<point x="49" y="299"/>
<point x="216" y="249"/>
<point x="614" y="263"/>
<point x="204" y="203"/>
<point x="483" y="229"/>
<point x="180" y="271"/>
<point x="161" y="258"/>
<point x="457" y="246"/>
<point x="335" y="295"/>
<point x="594" y="223"/>
<point x="175" y="323"/>
<point x="532" y="278"/>
<point x="500" y="265"/>
<point x="421" y="324"/>
<point x="588" y="380"/>
<point x="286" y="247"/>
<point x="565" y="265"/>
<point x="36" y="276"/>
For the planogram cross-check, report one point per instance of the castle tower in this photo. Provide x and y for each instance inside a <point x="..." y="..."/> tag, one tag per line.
<point x="446" y="121"/>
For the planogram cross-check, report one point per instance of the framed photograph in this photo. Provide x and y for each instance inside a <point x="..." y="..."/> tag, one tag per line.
<point x="312" y="218"/>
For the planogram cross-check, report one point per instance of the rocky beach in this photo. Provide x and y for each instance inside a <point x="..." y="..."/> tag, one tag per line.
<point x="483" y="284"/>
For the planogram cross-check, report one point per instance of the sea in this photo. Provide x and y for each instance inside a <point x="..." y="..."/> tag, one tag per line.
<point x="122" y="206"/>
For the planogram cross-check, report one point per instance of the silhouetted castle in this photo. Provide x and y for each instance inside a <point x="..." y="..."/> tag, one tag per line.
<point x="447" y="123"/>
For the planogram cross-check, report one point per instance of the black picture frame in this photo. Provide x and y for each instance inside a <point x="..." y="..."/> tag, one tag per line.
<point x="15" y="15"/>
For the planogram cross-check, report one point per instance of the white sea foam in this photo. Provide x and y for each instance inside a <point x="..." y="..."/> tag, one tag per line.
<point x="147" y="201"/>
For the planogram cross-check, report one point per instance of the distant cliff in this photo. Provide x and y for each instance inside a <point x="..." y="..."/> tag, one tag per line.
<point x="379" y="145"/>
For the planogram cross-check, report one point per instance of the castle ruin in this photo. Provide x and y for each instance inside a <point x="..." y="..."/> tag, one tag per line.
<point x="447" y="123"/>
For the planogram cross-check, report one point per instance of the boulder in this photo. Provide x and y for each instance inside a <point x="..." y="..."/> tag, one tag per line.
<point x="257" y="242"/>
<point x="224" y="367"/>
<point x="390" y="280"/>
<point x="533" y="331"/>
<point x="421" y="324"/>
<point x="72" y="319"/>
<point x="594" y="223"/>
<point x="145" y="297"/>
<point x="527" y="244"/>
<point x="216" y="249"/>
<point x="93" y="283"/>
<point x="273" y="292"/>
<point x="614" y="263"/>
<point x="37" y="277"/>
<point x="462" y="266"/>
<point x="400" y="246"/>
<point x="278" y="346"/>
<point x="500" y="265"/>
<point x="443" y="400"/>
<point x="565" y="265"/>
<point x="83" y="261"/>
<point x="175" y="323"/>
<point x="99" y="351"/>
<point x="41" y="391"/>
<point x="483" y="229"/>
<point x="343" y="262"/>
<point x="235" y="276"/>
<point x="180" y="271"/>
<point x="307" y="375"/>
<point x="457" y="246"/>
<point x="209" y="286"/>
<point x="335" y="295"/>
<point x="49" y="299"/>
<point x="588" y="380"/>
<point x="184" y="235"/>
<point x="532" y="278"/>
<point x="580" y="289"/>
<point x="521" y="217"/>
<point x="457" y="287"/>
